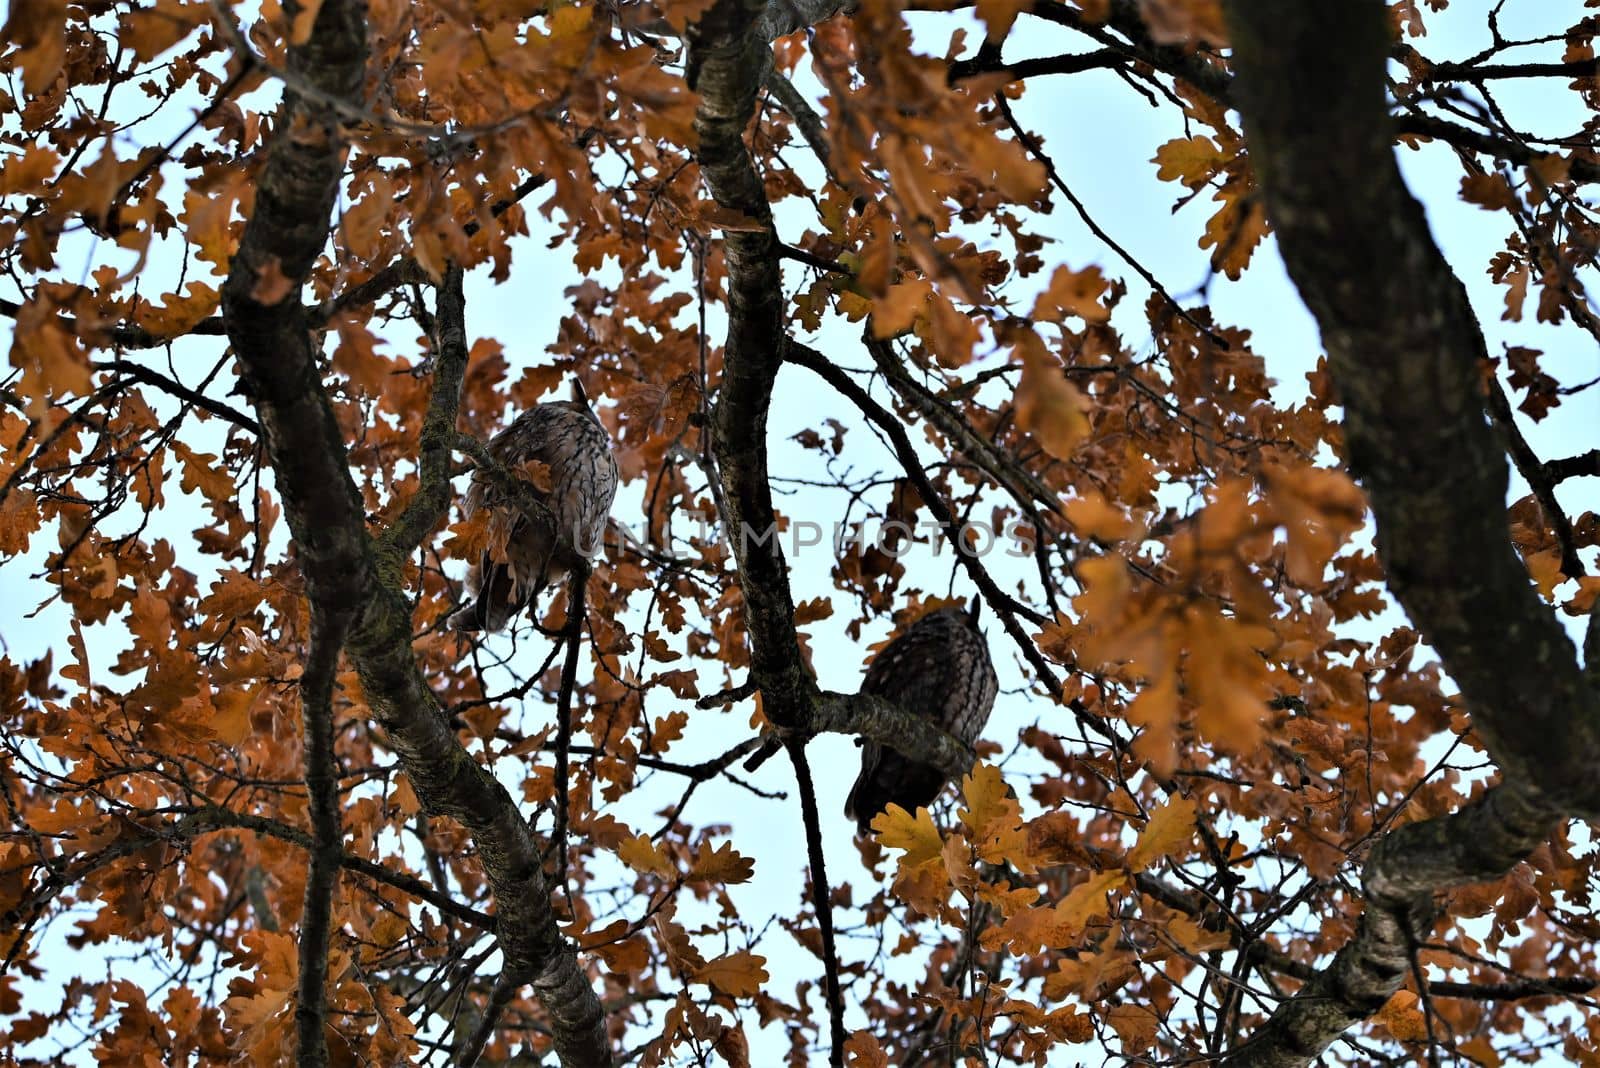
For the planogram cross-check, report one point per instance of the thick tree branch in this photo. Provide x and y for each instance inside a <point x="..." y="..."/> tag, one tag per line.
<point x="345" y="574"/>
<point x="728" y="61"/>
<point x="267" y="327"/>
<point x="875" y="719"/>
<point x="434" y="492"/>
<point x="1587" y="463"/>
<point x="328" y="631"/>
<point x="1406" y="353"/>
<point x="1405" y="350"/>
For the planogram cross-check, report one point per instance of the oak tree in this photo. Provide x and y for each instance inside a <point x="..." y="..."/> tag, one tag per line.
<point x="1293" y="749"/>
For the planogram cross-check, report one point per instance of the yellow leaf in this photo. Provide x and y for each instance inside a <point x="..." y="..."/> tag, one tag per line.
<point x="898" y="308"/>
<point x="1489" y="191"/>
<point x="1170" y="827"/>
<point x="403" y="797"/>
<point x="1402" y="1017"/>
<point x="681" y="953"/>
<point x="1191" y="160"/>
<point x="854" y="306"/>
<point x="1031" y="931"/>
<point x="28" y="172"/>
<point x="1319" y="510"/>
<point x="178" y="315"/>
<point x="1092" y="516"/>
<point x="150" y="31"/>
<point x="1480" y="1051"/>
<point x="19" y="518"/>
<point x="1189" y="934"/>
<point x="737" y="975"/>
<point x="1049" y="407"/>
<point x="994" y="820"/>
<point x="356" y="357"/>
<point x="987" y="800"/>
<point x="1087" y="900"/>
<point x="643" y="855"/>
<point x="668" y="728"/>
<point x="201" y="472"/>
<point x="1235" y="230"/>
<point x="898" y="829"/>
<point x="1544" y="568"/>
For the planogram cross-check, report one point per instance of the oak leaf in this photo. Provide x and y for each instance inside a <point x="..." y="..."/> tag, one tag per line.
<point x="1170" y="828"/>
<point x="1049" y="407"/>
<point x="739" y="974"/>
<point x="645" y="856"/>
<point x="720" y="865"/>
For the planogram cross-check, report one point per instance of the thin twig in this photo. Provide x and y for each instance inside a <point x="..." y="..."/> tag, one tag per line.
<point x="576" y="589"/>
<point x="819" y="900"/>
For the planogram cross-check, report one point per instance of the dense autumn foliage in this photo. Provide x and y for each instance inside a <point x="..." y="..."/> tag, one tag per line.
<point x="1293" y="749"/>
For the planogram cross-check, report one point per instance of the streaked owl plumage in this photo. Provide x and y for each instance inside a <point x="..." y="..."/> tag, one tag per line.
<point x="939" y="668"/>
<point x="567" y="438"/>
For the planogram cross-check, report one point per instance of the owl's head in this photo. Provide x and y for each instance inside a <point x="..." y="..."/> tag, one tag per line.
<point x="579" y="402"/>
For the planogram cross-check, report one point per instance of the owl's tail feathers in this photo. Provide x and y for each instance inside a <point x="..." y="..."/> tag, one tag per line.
<point x="465" y="619"/>
<point x="866" y="800"/>
<point x="492" y="607"/>
<point x="887" y="778"/>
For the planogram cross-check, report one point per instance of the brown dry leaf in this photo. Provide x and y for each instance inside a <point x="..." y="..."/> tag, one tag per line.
<point x="1135" y="1025"/>
<point x="721" y="865"/>
<point x="738" y="974"/>
<point x="272" y="286"/>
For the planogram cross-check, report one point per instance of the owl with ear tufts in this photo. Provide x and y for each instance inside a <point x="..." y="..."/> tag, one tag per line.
<point x="579" y="480"/>
<point x="938" y="669"/>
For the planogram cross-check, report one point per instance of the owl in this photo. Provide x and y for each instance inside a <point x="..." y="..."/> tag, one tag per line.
<point x="522" y="559"/>
<point x="939" y="668"/>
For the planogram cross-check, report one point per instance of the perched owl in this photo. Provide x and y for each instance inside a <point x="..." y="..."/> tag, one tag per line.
<point x="939" y="668"/>
<point x="566" y="437"/>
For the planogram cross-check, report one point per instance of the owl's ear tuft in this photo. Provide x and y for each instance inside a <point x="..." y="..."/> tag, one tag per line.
<point x="975" y="609"/>
<point x="578" y="394"/>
